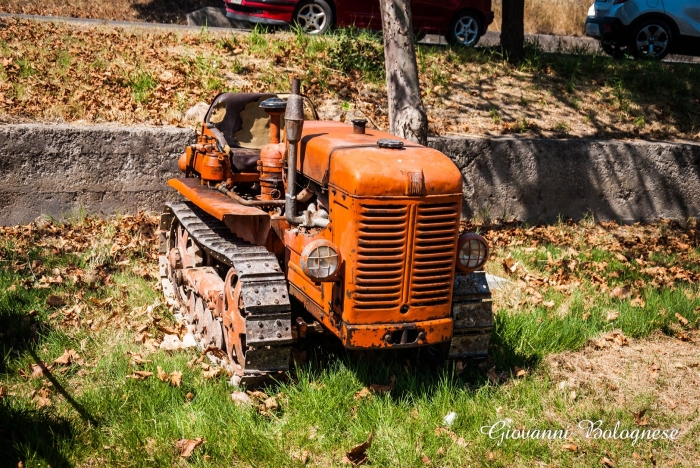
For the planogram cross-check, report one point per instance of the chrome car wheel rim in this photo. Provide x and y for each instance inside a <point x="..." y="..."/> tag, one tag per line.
<point x="466" y="30"/>
<point x="312" y="19"/>
<point x="652" y="41"/>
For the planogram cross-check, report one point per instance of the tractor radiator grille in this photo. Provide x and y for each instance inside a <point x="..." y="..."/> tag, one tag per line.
<point x="434" y="254"/>
<point x="399" y="240"/>
<point x="381" y="256"/>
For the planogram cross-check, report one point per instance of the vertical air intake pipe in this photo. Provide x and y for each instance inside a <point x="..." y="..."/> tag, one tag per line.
<point x="294" y="123"/>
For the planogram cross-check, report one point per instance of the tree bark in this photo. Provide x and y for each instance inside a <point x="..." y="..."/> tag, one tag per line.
<point x="513" y="29"/>
<point x="407" y="117"/>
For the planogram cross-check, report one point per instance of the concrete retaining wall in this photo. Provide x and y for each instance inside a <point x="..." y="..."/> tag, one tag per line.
<point x="56" y="170"/>
<point x="539" y="179"/>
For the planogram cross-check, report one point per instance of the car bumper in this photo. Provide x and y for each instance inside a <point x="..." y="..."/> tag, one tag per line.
<point x="274" y="12"/>
<point x="606" y="29"/>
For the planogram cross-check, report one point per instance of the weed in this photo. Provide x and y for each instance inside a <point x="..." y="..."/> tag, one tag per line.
<point x="561" y="127"/>
<point x="495" y="115"/>
<point x="141" y="83"/>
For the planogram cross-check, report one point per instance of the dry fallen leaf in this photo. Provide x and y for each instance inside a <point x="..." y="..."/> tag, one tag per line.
<point x="213" y="372"/>
<point x="365" y="392"/>
<point x="509" y="265"/>
<point x="69" y="356"/>
<point x="639" y="418"/>
<point x="608" y="462"/>
<point x="638" y="302"/>
<point x="570" y="447"/>
<point x="38" y="371"/>
<point x="612" y="315"/>
<point x="654" y="370"/>
<point x="617" y="337"/>
<point x="162" y="375"/>
<point x="455" y="438"/>
<point x="683" y="321"/>
<point x="176" y="378"/>
<point x="426" y="460"/>
<point x="41" y="398"/>
<point x="140" y="375"/>
<point x="493" y="377"/>
<point x="3" y="391"/>
<point x="186" y="446"/>
<point x="55" y="301"/>
<point x="358" y="454"/>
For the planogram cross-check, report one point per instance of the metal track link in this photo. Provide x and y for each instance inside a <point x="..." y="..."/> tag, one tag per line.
<point x="263" y="290"/>
<point x="472" y="313"/>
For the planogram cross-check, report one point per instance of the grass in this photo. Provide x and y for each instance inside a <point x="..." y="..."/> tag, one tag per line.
<point x="100" y="75"/>
<point x="98" y="415"/>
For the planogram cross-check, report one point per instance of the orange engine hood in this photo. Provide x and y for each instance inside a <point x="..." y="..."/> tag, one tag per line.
<point x="330" y="154"/>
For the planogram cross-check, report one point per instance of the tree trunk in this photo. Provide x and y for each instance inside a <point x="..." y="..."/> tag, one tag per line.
<point x="513" y="29"/>
<point x="407" y="117"/>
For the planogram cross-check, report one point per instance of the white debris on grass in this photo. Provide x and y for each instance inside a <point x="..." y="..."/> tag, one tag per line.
<point x="496" y="282"/>
<point x="449" y="419"/>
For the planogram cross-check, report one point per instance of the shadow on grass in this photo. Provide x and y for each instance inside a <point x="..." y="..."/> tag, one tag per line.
<point x="27" y="433"/>
<point x="641" y="91"/>
<point x="19" y="332"/>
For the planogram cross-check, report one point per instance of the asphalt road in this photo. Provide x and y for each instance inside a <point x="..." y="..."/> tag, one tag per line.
<point x="549" y="43"/>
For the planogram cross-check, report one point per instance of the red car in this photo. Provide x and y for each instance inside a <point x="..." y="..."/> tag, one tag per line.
<point x="462" y="22"/>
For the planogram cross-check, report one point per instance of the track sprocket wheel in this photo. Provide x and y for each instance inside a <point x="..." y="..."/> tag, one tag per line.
<point x="234" y="323"/>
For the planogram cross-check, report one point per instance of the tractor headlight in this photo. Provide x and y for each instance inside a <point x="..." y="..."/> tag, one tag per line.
<point x="472" y="252"/>
<point x="320" y="260"/>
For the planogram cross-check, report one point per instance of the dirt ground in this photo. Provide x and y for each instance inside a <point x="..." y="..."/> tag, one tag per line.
<point x="656" y="379"/>
<point x="66" y="73"/>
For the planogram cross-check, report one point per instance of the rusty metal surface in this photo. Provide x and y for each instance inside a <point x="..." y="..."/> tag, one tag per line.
<point x="472" y="313"/>
<point x="469" y="346"/>
<point x="392" y="336"/>
<point x="400" y="260"/>
<point x="472" y="284"/>
<point x="476" y="314"/>
<point x="228" y="312"/>
<point x="252" y="224"/>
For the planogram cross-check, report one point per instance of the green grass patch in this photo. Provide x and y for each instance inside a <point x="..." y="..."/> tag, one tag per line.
<point x="99" y="415"/>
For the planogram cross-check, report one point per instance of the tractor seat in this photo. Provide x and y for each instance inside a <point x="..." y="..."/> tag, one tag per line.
<point x="237" y="120"/>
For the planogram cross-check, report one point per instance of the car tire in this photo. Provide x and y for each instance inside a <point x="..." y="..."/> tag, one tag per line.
<point x="616" y="51"/>
<point x="651" y="39"/>
<point x="314" y="17"/>
<point x="465" y="29"/>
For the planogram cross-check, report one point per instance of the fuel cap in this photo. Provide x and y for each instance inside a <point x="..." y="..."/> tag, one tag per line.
<point x="274" y="103"/>
<point x="391" y="144"/>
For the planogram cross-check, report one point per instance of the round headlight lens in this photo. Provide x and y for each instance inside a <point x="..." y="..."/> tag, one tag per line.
<point x="472" y="252"/>
<point x="320" y="260"/>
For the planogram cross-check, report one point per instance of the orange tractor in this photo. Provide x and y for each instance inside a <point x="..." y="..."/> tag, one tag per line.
<point x="358" y="228"/>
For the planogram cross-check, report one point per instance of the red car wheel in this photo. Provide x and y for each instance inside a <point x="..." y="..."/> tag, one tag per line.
<point x="465" y="29"/>
<point x="314" y="16"/>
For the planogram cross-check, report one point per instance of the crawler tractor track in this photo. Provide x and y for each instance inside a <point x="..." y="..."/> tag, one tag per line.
<point x="234" y="293"/>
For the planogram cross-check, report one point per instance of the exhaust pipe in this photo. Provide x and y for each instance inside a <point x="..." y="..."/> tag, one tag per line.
<point x="294" y="124"/>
